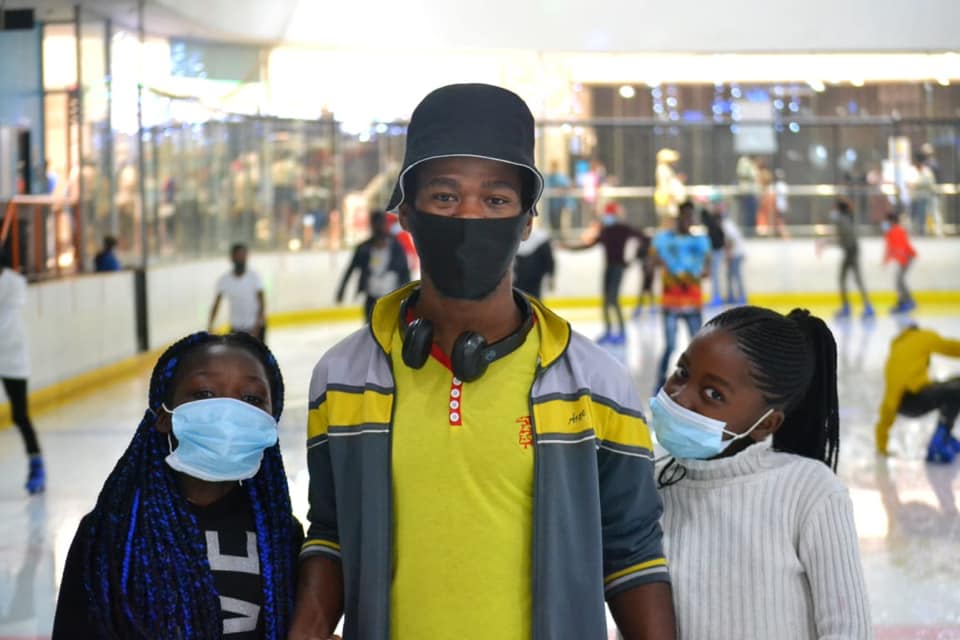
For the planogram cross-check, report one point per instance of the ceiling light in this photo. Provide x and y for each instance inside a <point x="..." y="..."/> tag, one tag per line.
<point x="627" y="92"/>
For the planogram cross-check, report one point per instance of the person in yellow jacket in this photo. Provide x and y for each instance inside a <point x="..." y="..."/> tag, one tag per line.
<point x="911" y="392"/>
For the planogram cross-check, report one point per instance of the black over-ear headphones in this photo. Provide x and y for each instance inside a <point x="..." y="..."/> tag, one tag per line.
<point x="471" y="354"/>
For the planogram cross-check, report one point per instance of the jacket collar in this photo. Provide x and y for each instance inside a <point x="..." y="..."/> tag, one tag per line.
<point x="554" y="330"/>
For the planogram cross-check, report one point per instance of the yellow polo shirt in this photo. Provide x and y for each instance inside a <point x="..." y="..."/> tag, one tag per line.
<point x="463" y="499"/>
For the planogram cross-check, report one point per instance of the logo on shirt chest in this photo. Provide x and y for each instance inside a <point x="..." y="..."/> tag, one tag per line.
<point x="525" y="435"/>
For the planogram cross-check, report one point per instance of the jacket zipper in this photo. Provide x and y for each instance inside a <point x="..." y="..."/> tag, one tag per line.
<point x="535" y="565"/>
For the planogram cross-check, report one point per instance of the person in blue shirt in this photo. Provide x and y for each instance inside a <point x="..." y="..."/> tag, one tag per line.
<point x="106" y="259"/>
<point x="683" y="257"/>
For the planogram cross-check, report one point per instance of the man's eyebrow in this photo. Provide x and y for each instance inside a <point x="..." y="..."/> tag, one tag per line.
<point x="500" y="184"/>
<point x="442" y="181"/>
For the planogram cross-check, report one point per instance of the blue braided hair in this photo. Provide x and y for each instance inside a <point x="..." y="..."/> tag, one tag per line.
<point x="161" y="585"/>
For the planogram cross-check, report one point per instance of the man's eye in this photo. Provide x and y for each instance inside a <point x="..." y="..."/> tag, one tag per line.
<point x="497" y="201"/>
<point x="444" y="197"/>
<point x="681" y="372"/>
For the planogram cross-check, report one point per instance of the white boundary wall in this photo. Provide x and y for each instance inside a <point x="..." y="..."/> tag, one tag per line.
<point x="78" y="324"/>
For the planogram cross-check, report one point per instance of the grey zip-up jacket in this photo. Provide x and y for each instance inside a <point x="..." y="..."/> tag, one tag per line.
<point x="596" y="521"/>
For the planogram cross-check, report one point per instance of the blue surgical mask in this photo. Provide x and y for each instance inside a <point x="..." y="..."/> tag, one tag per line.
<point x="608" y="219"/>
<point x="885" y="226"/>
<point x="688" y="434"/>
<point x="220" y="439"/>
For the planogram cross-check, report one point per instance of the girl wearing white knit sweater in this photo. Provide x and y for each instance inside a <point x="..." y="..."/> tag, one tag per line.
<point x="759" y="534"/>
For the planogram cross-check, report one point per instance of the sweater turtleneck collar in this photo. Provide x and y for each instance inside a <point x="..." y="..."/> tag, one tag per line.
<point x="754" y="459"/>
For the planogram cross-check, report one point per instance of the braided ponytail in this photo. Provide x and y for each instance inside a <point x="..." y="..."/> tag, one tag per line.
<point x="812" y="427"/>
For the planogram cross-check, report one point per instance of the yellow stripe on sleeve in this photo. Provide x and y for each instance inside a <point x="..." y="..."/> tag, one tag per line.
<point x="564" y="416"/>
<point x="352" y="409"/>
<point x="659" y="562"/>
<point x="582" y="414"/>
<point x="321" y="543"/>
<point x="317" y="422"/>
<point x="619" y="428"/>
<point x="348" y="409"/>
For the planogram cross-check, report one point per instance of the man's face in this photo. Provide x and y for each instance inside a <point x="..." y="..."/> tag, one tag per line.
<point x="239" y="257"/>
<point x="684" y="220"/>
<point x="467" y="188"/>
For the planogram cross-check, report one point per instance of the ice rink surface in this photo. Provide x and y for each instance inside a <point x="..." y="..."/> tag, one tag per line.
<point x="906" y="510"/>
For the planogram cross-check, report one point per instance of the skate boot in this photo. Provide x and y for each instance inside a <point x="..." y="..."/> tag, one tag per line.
<point x="940" y="450"/>
<point x="37" y="477"/>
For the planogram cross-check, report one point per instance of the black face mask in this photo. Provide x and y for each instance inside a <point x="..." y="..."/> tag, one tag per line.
<point x="239" y="267"/>
<point x="466" y="258"/>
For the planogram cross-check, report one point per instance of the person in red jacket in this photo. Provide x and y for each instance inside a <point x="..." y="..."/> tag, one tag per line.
<point x="405" y="240"/>
<point x="902" y="252"/>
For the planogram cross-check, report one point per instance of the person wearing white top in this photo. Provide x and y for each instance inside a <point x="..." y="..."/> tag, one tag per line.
<point x="243" y="289"/>
<point x="758" y="529"/>
<point x="15" y="367"/>
<point x="736" y="250"/>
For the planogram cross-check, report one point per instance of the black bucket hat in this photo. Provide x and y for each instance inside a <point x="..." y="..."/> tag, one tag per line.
<point x="474" y="120"/>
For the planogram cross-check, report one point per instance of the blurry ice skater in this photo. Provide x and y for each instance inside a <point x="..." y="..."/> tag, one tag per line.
<point x="15" y="366"/>
<point x="243" y="289"/>
<point x="899" y="250"/>
<point x="613" y="235"/>
<point x="683" y="257"/>
<point x="911" y="392"/>
<point x="382" y="264"/>
<point x="534" y="263"/>
<point x="847" y="239"/>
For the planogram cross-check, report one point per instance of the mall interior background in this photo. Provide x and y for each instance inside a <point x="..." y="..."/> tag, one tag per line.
<point x="288" y="145"/>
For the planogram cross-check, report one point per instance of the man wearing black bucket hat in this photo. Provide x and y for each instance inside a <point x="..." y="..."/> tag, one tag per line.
<point x="477" y="469"/>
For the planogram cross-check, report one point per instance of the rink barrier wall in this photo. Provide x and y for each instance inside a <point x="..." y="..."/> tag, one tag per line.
<point x="82" y="329"/>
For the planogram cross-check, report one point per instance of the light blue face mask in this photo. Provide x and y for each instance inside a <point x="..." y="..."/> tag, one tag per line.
<point x="220" y="439"/>
<point x="608" y="219"/>
<point x="688" y="434"/>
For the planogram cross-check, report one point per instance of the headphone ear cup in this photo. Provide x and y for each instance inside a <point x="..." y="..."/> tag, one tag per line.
<point x="417" y="343"/>
<point x="468" y="359"/>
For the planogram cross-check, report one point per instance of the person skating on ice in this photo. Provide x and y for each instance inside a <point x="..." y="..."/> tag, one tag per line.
<point x="847" y="238"/>
<point x="192" y="535"/>
<point x="758" y="528"/>
<point x="899" y="249"/>
<point x="682" y="257"/>
<point x="243" y="289"/>
<point x="911" y="392"/>
<point x="613" y="236"/>
<point x="381" y="262"/>
<point x="15" y="368"/>
<point x="535" y="263"/>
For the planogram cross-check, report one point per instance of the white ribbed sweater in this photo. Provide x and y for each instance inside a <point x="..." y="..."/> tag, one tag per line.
<point x="762" y="546"/>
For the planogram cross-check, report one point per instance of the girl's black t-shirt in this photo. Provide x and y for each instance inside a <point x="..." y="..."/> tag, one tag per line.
<point x="230" y="534"/>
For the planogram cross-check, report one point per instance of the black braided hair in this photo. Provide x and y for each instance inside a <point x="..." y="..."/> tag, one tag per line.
<point x="793" y="361"/>
<point x="161" y="585"/>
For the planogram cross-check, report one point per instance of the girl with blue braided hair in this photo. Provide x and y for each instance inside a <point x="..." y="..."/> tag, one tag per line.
<point x="192" y="536"/>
